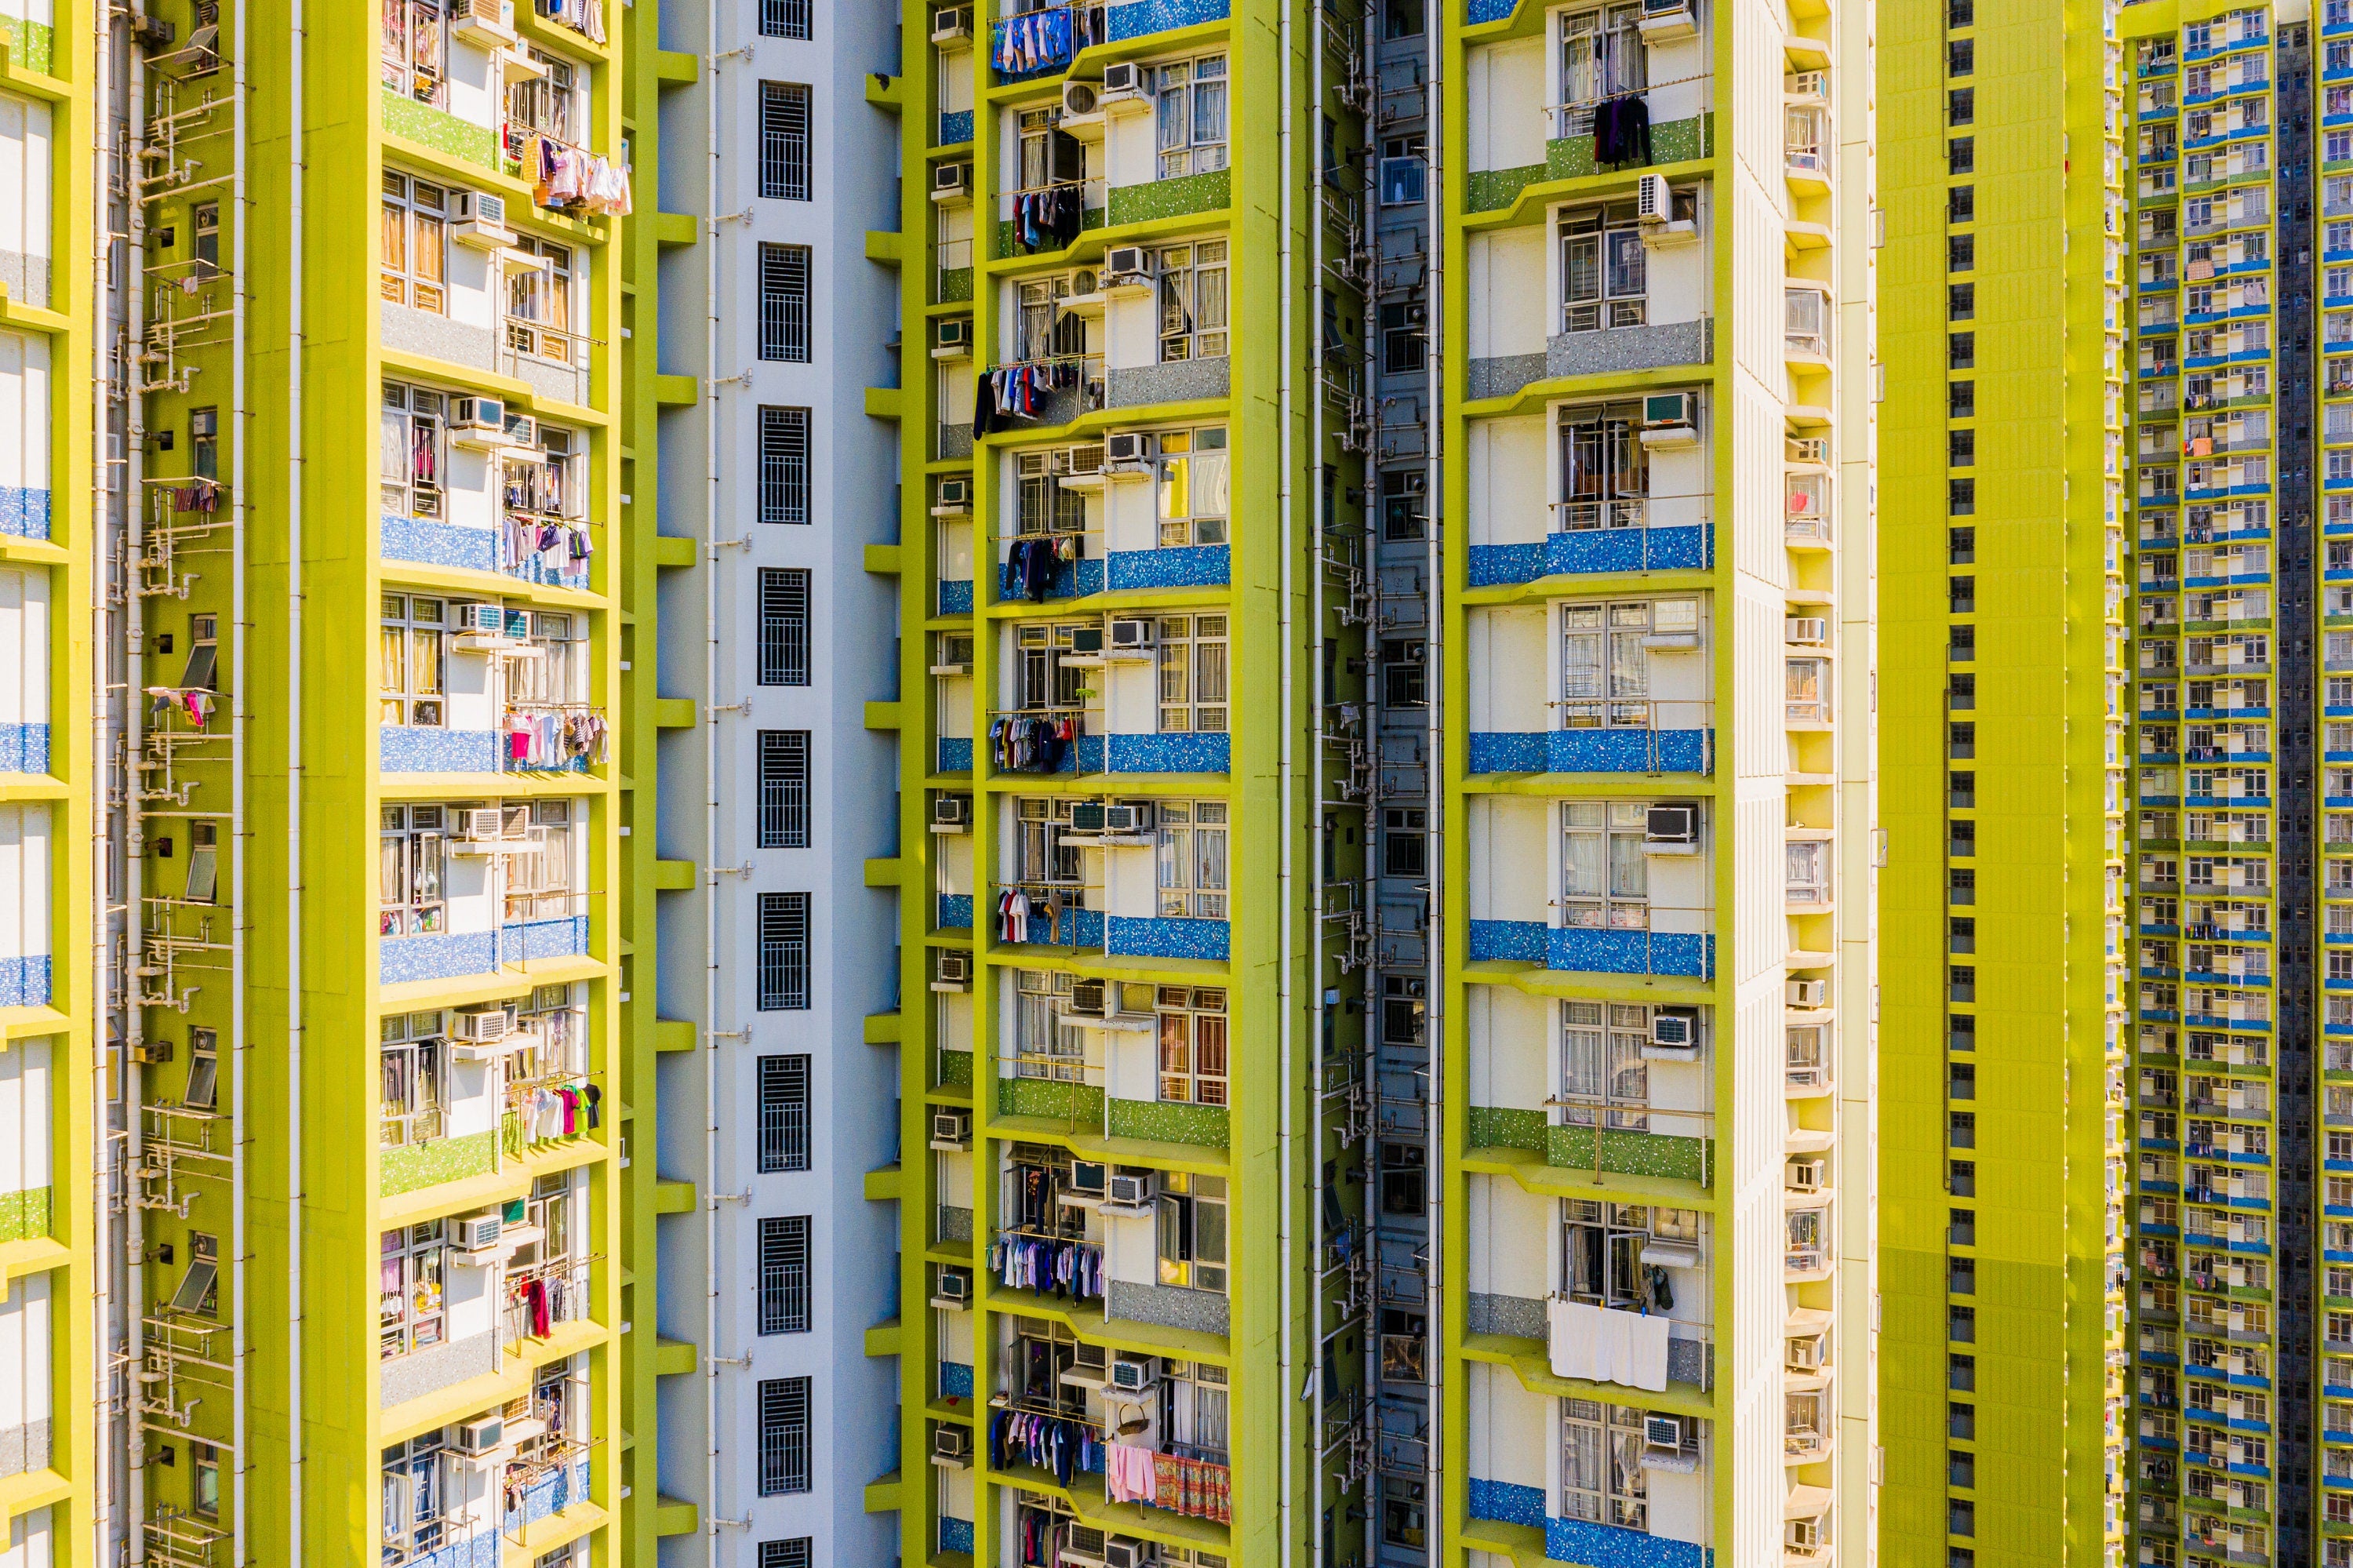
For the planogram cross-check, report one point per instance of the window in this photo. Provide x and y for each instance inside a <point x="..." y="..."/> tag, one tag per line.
<point x="784" y="304"/>
<point x="1043" y="502"/>
<point x="1603" y="279"/>
<point x="1193" y="304"/>
<point x="785" y="1274"/>
<point x="411" y="1310"/>
<point x="1605" y="876"/>
<point x="539" y="302"/>
<point x="1605" y="468"/>
<point x="411" y="660"/>
<point x="1961" y="155"/>
<point x="545" y="104"/>
<point x="414" y="244"/>
<point x="784" y="464"/>
<point x="1604" y="1076"/>
<point x="1602" y="1480"/>
<point x="1191" y="1231"/>
<point x="1045" y="852"/>
<point x="1193" y="859"/>
<point x="784" y="141"/>
<point x="408" y="859"/>
<point x="204" y="1479"/>
<point x="1044" y="330"/>
<point x="410" y="451"/>
<point x="1192" y="1044"/>
<point x="1961" y="302"/>
<point x="784" y="788"/>
<point x="1602" y="56"/>
<point x="782" y="19"/>
<point x="1044" y="1046"/>
<point x="416" y="51"/>
<point x="784" y="1113"/>
<point x="1606" y="661"/>
<point x="784" y="951"/>
<point x="536" y="477"/>
<point x="799" y="1552"/>
<point x="783" y="627"/>
<point x="206" y="221"/>
<point x="1961" y="56"/>
<point x="1048" y="156"/>
<point x="1960" y="106"/>
<point x="1961" y="205"/>
<point x="1193" y="675"/>
<point x="417" y="1482"/>
<point x="1601" y="1251"/>
<point x="411" y="1061"/>
<point x="783" y="1436"/>
<point x="1042" y="680"/>
<point x="1195" y="1410"/>
<point x="539" y="880"/>
<point x="1405" y="842"/>
<point x="1191" y="108"/>
<point x="1405" y="510"/>
<point x="1405" y="339"/>
<point x="1405" y="672"/>
<point x="204" y="443"/>
<point x="1193" y="496"/>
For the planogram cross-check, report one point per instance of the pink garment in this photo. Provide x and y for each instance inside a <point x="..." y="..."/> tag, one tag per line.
<point x="1128" y="1473"/>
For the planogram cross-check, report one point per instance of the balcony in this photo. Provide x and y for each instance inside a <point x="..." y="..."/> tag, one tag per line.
<point x="1807" y="147"/>
<point x="1594" y="1344"/>
<point x="1806" y="326"/>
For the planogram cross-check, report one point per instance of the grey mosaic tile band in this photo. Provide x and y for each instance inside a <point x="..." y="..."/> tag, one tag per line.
<point x="1501" y="378"/>
<point x="27" y="278"/>
<point x="1181" y="381"/>
<point x="1516" y="1317"/>
<point x="413" y="331"/>
<point x="1201" y="1311"/>
<point x="429" y="1371"/>
<point x="1629" y="348"/>
<point x="25" y="1446"/>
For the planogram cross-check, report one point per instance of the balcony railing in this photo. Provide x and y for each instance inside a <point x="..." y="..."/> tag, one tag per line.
<point x="558" y="737"/>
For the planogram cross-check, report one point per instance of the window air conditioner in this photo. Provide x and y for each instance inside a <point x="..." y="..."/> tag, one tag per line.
<point x="1663" y="1432"/>
<point x="952" y="1447"/>
<point x="1805" y="84"/>
<point x="1673" y="825"/>
<point x="1809" y="630"/>
<point x="1808" y="1175"/>
<point x="1129" y="1194"/>
<point x="1126" y="85"/>
<point x="481" y="824"/>
<point x="1676" y="1027"/>
<point x="485" y="24"/>
<point x="1127" y="267"/>
<point x="955" y="973"/>
<point x="1082" y="1548"/>
<point x="952" y="182"/>
<point x="1135" y="817"/>
<point x="1130" y="1555"/>
<point x="950" y="23"/>
<point x="1080" y="100"/>
<point x="478" y="219"/>
<point x="1131" y="1375"/>
<point x="485" y="1435"/>
<point x="479" y="423"/>
<point x="952" y="1291"/>
<point x="1088" y="1367"/>
<point x="951" y="1131"/>
<point x="1133" y="632"/>
<point x="522" y="430"/>
<point x="481" y="621"/>
<point x="1667" y="21"/>
<point x="1087" y="1183"/>
<point x="1807" y="994"/>
<point x="1128" y="447"/>
<point x="477" y="1233"/>
<point x="1087" y="996"/>
<point x="953" y="813"/>
<point x="490" y="1023"/>
<point x="952" y="338"/>
<point x="1670" y="421"/>
<point x="1808" y="449"/>
<point x="1805" y="1355"/>
<point x="1086" y="460"/>
<point x="1654" y="199"/>
<point x="952" y="498"/>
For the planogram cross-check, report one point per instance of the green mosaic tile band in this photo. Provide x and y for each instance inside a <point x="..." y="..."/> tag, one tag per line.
<point x="1492" y="1127"/>
<point x="416" y="1165"/>
<point x="1082" y="1102"/>
<point x="1172" y="199"/>
<point x="956" y="1069"/>
<point x="33" y="45"/>
<point x="1089" y="218"/>
<point x="24" y="1215"/>
<point x="1671" y="142"/>
<point x="1631" y="1154"/>
<point x="1202" y="1125"/>
<point x="442" y="132"/>
<point x="955" y="287"/>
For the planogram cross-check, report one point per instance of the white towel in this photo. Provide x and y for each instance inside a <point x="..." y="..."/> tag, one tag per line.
<point x="1600" y="1344"/>
<point x="1646" y="1361"/>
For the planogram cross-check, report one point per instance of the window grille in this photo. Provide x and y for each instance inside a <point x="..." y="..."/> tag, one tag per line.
<point x="784" y="141"/>
<point x="784" y="951"/>
<point x="783" y="627"/>
<point x="782" y="19"/>
<point x="783" y="455"/>
<point x="785" y="1274"/>
<point x="783" y="1436"/>
<point x="784" y="1113"/>
<point x="784" y="302"/>
<point x="784" y="788"/>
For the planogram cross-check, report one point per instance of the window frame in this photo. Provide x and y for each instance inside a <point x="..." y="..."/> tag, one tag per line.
<point x="1192" y="856"/>
<point x="418" y="1257"/>
<point x="414" y="638"/>
<point x="414" y="213"/>
<point x="413" y="418"/>
<point x="1192" y="663"/>
<point x="1188" y="290"/>
<point x="1191" y="116"/>
<point x="1192" y="1043"/>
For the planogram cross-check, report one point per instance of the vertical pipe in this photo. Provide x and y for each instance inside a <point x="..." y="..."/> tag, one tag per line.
<point x="240" y="699"/>
<point x="1288" y="721"/>
<point x="1439" y="35"/>
<point x="133" y="305"/>
<point x="710" y="1194"/>
<point x="105" y="151"/>
<point x="298" y="142"/>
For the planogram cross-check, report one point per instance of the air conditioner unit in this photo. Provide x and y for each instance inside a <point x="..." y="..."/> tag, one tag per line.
<point x="1124" y="448"/>
<point x="952" y="182"/>
<point x="479" y="423"/>
<point x="952" y="338"/>
<point x="1675" y="1026"/>
<point x="1808" y="1175"/>
<point x="1670" y="421"/>
<point x="1134" y="817"/>
<point x="485" y="24"/>
<point x="1087" y="996"/>
<point x="1130" y="1553"/>
<point x="478" y="220"/>
<point x="1667" y="21"/>
<point x="1082" y="1548"/>
<point x="951" y="1131"/>
<point x="1804" y="1355"/>
<point x="1808" y="449"/>
<point x="950" y="23"/>
<point x="952" y="1447"/>
<point x="951" y="1289"/>
<point x="953" y="973"/>
<point x="1673" y="826"/>
<point x="951" y="813"/>
<point x="1654" y="199"/>
<point x="1127" y="268"/>
<point x="1088" y="1181"/>
<point x="490" y="1023"/>
<point x="1080" y="100"/>
<point x="522" y="430"/>
<point x="1130" y="1195"/>
<point x="1663" y="1432"/>
<point x="1808" y="629"/>
<point x="1088" y="1367"/>
<point x="477" y="1233"/>
<point x="1138" y="632"/>
<point x="1131" y="1375"/>
<point x="1087" y="460"/>
<point x="952" y="498"/>
<point x="1126" y="88"/>
<point x="1805" y="84"/>
<point x="485" y="1435"/>
<point x="1807" y="994"/>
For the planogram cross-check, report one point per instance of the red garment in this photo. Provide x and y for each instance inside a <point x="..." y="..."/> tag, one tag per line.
<point x="571" y="1099"/>
<point x="535" y="1297"/>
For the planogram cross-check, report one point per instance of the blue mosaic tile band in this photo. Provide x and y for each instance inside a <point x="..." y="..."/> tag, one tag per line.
<point x="1594" y="751"/>
<point x="1071" y="578"/>
<point x="447" y="955"/>
<point x="1194" y="566"/>
<point x="956" y="754"/>
<point x="428" y="748"/>
<point x="956" y="129"/>
<point x="431" y="544"/>
<point x="955" y="1535"/>
<point x="551" y="1496"/>
<point x="955" y="1379"/>
<point x="24" y="982"/>
<point x="23" y="513"/>
<point x="1147" y="17"/>
<point x="484" y="1550"/>
<point x="1171" y="753"/>
<point x="1607" y="1546"/>
<point x="1684" y="547"/>
<point x="955" y="598"/>
<point x="1161" y="938"/>
<point x="955" y="911"/>
<point x="1687" y="953"/>
<point x="24" y="748"/>
<point x="1506" y="1503"/>
<point x="1518" y="941"/>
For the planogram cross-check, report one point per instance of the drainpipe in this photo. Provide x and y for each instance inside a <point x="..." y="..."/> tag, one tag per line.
<point x="1434" y="656"/>
<point x="105" y="160"/>
<point x="133" y="306"/>
<point x="1315" y="1189"/>
<point x="296" y="1447"/>
<point x="710" y="925"/>
<point x="1288" y="1228"/>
